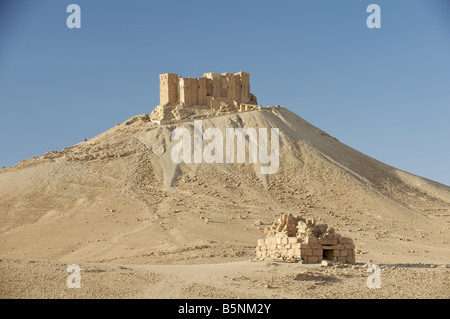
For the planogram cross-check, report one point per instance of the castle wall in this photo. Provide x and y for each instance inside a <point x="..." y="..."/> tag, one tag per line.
<point x="194" y="91"/>
<point x="201" y="93"/>
<point x="237" y="92"/>
<point x="224" y="87"/>
<point x="216" y="87"/>
<point x="245" y="90"/>
<point x="187" y="92"/>
<point x="230" y="86"/>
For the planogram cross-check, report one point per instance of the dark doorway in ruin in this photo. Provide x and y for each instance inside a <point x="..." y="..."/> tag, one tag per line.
<point x="328" y="254"/>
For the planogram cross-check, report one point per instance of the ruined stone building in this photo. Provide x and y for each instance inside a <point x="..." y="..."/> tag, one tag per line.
<point x="225" y="92"/>
<point x="298" y="239"/>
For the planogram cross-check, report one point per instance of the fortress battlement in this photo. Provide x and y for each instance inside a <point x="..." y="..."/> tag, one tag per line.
<point x="225" y="92"/>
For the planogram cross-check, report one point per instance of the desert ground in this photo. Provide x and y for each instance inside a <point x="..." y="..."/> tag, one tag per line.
<point x="141" y="226"/>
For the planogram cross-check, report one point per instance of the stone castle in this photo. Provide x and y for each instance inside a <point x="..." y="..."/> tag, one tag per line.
<point x="222" y="93"/>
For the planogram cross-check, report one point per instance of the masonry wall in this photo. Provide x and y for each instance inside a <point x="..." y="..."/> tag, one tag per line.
<point x="311" y="251"/>
<point x="187" y="92"/>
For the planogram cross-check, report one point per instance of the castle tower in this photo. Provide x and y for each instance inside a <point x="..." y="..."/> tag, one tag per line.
<point x="231" y="85"/>
<point x="168" y="88"/>
<point x="201" y="93"/>
<point x="185" y="93"/>
<point x="245" y="89"/>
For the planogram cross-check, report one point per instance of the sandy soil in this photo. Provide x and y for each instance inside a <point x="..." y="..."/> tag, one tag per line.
<point x="243" y="279"/>
<point x="141" y="226"/>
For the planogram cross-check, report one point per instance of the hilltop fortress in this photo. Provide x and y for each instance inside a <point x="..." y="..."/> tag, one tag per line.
<point x="215" y="93"/>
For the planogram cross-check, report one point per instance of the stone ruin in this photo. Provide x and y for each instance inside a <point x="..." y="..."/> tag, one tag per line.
<point x="302" y="240"/>
<point x="212" y="94"/>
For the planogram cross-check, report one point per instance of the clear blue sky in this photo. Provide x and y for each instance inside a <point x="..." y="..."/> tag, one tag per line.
<point x="384" y="92"/>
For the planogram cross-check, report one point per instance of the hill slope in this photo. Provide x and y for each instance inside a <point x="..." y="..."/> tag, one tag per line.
<point x="120" y="198"/>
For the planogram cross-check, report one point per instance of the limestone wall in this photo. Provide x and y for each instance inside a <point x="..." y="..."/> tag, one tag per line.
<point x="293" y="249"/>
<point x="296" y="239"/>
<point x="187" y="92"/>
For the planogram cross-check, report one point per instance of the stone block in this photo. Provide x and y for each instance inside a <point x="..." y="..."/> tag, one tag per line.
<point x="292" y="240"/>
<point x="313" y="259"/>
<point x="290" y="253"/>
<point x="342" y="259"/>
<point x="311" y="240"/>
<point x="344" y="253"/>
<point x="332" y="241"/>
<point x="351" y="260"/>
<point x="327" y="263"/>
<point x="346" y="240"/>
<point x="349" y="246"/>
